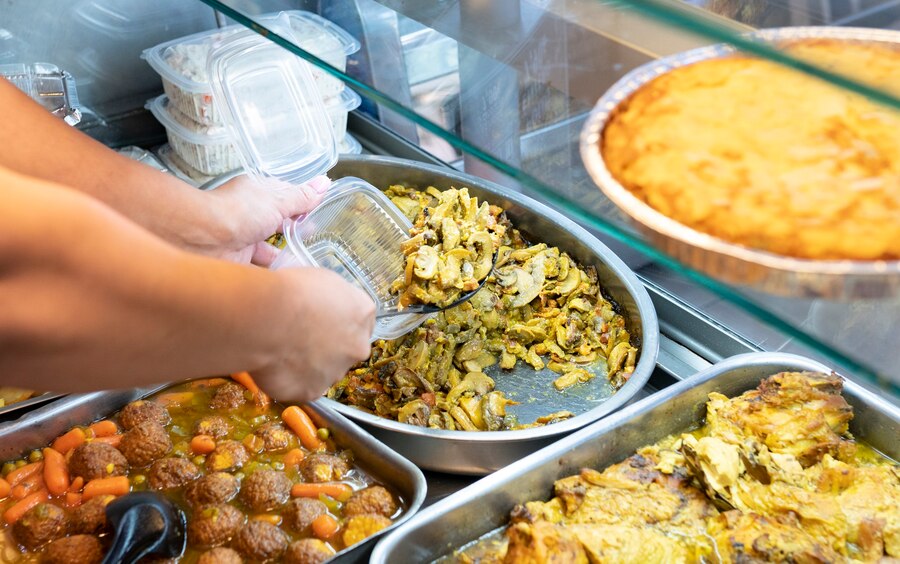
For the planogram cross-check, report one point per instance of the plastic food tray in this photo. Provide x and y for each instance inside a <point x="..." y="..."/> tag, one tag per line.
<point x="350" y="146"/>
<point x="365" y="253"/>
<point x="208" y="149"/>
<point x="182" y="63"/>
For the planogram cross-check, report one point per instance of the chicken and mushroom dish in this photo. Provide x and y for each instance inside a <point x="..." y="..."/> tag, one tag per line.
<point x="773" y="476"/>
<point x="538" y="306"/>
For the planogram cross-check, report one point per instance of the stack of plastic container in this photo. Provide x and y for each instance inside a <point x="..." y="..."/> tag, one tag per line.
<point x="191" y="116"/>
<point x="274" y="113"/>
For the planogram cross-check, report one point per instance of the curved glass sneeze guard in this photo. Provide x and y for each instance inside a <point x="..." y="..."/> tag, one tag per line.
<point x="503" y="87"/>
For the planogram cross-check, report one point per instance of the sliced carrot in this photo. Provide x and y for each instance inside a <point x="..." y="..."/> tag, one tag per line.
<point x="73" y="499"/>
<point x="203" y="444"/>
<point x="244" y="379"/>
<point x="337" y="490"/>
<point x="15" y="512"/>
<point x="324" y="526"/>
<point x="300" y="423"/>
<point x="105" y="428"/>
<point x="5" y="488"/>
<point x="208" y="383"/>
<point x="293" y="457"/>
<point x="20" y="474"/>
<point x="116" y="485"/>
<point x="77" y="484"/>
<point x="268" y="518"/>
<point x="175" y="398"/>
<point x="56" y="472"/>
<point x="69" y="441"/>
<point x="112" y="440"/>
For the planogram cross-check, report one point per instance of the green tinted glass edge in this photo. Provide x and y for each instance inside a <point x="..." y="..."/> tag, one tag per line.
<point x="579" y="214"/>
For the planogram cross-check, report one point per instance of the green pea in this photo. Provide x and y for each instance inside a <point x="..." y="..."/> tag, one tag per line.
<point x="323" y="434"/>
<point x="278" y="465"/>
<point x="139" y="479"/>
<point x="35" y="456"/>
<point x="239" y="476"/>
<point x="8" y="467"/>
<point x="199" y="460"/>
<point x="20" y="463"/>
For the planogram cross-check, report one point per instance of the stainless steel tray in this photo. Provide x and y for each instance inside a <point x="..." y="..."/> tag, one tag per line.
<point x="485" y="505"/>
<point x="778" y="274"/>
<point x="40" y="427"/>
<point x="9" y="411"/>
<point x="477" y="453"/>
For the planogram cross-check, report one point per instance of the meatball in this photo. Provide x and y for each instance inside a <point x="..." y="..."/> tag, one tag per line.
<point x="301" y="512"/>
<point x="227" y="457"/>
<point x="375" y="501"/>
<point x="97" y="460"/>
<point x="274" y="436"/>
<point x="220" y="555"/>
<point x="141" y="411"/>
<point x="265" y="489"/>
<point x="145" y="443"/>
<point x="169" y="473"/>
<point x="212" y="425"/>
<point x="307" y="551"/>
<point x="228" y="396"/>
<point x="259" y="540"/>
<point x="41" y="524"/>
<point x="77" y="549"/>
<point x="214" y="525"/>
<point x="321" y="467"/>
<point x="361" y="527"/>
<point x="218" y="487"/>
<point x="89" y="518"/>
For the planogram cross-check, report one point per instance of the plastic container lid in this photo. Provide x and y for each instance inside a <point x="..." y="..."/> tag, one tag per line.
<point x="272" y="107"/>
<point x="365" y="253"/>
<point x="183" y="61"/>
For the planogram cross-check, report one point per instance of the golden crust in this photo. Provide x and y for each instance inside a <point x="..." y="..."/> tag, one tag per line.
<point x="762" y="156"/>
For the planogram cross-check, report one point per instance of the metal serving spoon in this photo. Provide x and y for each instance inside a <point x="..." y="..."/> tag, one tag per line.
<point x="145" y="524"/>
<point x="431" y="308"/>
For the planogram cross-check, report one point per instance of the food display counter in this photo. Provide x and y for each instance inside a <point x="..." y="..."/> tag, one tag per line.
<point x="501" y="98"/>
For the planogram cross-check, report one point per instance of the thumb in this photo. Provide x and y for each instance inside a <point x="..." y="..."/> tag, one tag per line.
<point x="302" y="199"/>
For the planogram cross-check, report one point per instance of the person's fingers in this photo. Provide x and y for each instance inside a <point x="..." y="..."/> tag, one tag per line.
<point x="297" y="200"/>
<point x="264" y="254"/>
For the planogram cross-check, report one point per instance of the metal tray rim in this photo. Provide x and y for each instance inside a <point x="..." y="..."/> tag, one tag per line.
<point x="566" y="444"/>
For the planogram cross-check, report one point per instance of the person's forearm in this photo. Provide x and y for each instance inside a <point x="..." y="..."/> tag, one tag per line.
<point x="89" y="300"/>
<point x="37" y="144"/>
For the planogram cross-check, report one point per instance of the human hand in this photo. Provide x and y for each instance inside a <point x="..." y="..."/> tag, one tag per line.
<point x="251" y="212"/>
<point x="327" y="326"/>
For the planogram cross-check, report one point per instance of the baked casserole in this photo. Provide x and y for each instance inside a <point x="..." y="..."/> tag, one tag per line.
<point x="762" y="156"/>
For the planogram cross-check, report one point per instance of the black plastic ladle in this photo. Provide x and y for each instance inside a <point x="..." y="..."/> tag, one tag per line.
<point x="145" y="524"/>
<point x="431" y="308"/>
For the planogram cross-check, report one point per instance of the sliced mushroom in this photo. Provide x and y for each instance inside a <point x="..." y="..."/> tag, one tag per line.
<point x="426" y="262"/>
<point x="415" y="412"/>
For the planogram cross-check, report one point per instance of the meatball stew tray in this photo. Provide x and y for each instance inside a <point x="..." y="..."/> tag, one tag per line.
<point x="484" y="507"/>
<point x="38" y="428"/>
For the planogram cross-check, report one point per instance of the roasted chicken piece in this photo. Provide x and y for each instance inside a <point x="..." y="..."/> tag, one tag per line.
<point x="749" y="537"/>
<point x="801" y="414"/>
<point x="631" y="512"/>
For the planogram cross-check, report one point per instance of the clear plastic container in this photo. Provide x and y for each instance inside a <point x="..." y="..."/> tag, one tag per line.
<point x="179" y="168"/>
<point x="338" y="108"/>
<point x="208" y="149"/>
<point x="142" y="156"/>
<point x="272" y="108"/>
<point x="356" y="231"/>
<point x="349" y="146"/>
<point x="182" y="63"/>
